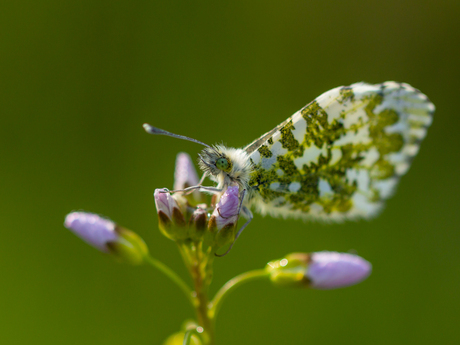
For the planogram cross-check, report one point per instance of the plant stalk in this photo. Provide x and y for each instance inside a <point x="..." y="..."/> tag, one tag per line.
<point x="173" y="276"/>
<point x="231" y="285"/>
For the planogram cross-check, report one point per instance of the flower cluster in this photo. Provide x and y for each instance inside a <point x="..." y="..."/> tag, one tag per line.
<point x="181" y="218"/>
<point x="186" y="218"/>
<point x="200" y="229"/>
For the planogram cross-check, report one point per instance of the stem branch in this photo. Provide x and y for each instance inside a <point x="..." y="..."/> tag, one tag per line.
<point x="231" y="285"/>
<point x="173" y="276"/>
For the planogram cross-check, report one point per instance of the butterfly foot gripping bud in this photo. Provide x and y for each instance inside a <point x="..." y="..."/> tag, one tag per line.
<point x="320" y="270"/>
<point x="107" y="236"/>
<point x="171" y="219"/>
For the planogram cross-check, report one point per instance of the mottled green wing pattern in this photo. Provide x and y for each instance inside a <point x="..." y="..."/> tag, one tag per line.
<point x="341" y="155"/>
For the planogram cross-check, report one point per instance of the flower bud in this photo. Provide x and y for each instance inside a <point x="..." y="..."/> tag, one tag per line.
<point x="198" y="223"/>
<point x="226" y="211"/>
<point x="93" y="229"/>
<point x="320" y="270"/>
<point x="225" y="217"/>
<point x="171" y="219"/>
<point x="330" y="270"/>
<point x="107" y="236"/>
<point x="185" y="176"/>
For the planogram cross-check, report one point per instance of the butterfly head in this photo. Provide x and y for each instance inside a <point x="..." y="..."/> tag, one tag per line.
<point x="213" y="161"/>
<point x="224" y="165"/>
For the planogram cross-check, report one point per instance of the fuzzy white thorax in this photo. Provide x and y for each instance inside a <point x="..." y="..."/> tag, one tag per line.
<point x="240" y="166"/>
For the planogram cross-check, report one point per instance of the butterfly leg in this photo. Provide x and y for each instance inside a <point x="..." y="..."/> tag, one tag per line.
<point x="248" y="215"/>
<point x="199" y="184"/>
<point x="200" y="188"/>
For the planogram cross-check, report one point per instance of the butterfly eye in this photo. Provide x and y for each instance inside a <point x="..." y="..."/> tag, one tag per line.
<point x="223" y="164"/>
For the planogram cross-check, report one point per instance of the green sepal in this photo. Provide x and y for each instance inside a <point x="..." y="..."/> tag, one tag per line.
<point x="285" y="278"/>
<point x="289" y="271"/>
<point x="174" y="229"/>
<point x="219" y="238"/>
<point x="225" y="236"/>
<point x="129" y="247"/>
<point x="197" y="225"/>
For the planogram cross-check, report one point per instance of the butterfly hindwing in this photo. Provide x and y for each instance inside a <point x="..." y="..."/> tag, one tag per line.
<point x="340" y="156"/>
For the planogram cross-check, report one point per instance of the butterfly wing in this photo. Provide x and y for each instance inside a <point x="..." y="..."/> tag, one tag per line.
<point x="341" y="155"/>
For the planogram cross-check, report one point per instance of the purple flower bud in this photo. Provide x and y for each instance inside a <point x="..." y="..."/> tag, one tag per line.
<point x="93" y="229"/>
<point x="199" y="219"/>
<point x="185" y="174"/>
<point x="226" y="211"/>
<point x="107" y="236"/>
<point x="165" y="204"/>
<point x="171" y="218"/>
<point x="321" y="270"/>
<point x="330" y="270"/>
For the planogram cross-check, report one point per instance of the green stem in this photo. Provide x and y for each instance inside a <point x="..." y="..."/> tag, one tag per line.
<point x="187" y="337"/>
<point x="200" y="270"/>
<point x="231" y="285"/>
<point x="173" y="276"/>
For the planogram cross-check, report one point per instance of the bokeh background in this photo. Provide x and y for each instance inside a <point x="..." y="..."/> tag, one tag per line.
<point x="78" y="79"/>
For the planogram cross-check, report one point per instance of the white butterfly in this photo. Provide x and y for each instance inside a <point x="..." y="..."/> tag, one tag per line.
<point x="337" y="158"/>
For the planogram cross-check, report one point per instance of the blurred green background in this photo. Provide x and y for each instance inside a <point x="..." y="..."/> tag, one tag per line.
<point x="78" y="79"/>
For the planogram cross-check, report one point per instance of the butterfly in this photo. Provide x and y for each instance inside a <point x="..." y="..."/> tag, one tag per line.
<point x="339" y="157"/>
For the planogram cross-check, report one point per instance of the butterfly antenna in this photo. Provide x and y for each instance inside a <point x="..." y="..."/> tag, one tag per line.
<point x="157" y="131"/>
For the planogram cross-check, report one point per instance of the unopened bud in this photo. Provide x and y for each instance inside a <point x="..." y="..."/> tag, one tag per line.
<point x="107" y="236"/>
<point x="320" y="270"/>
<point x="198" y="223"/>
<point x="170" y="216"/>
<point x="185" y="176"/>
<point x="331" y="270"/>
<point x="225" y="217"/>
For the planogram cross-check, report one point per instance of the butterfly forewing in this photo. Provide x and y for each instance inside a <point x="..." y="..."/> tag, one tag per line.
<point x="341" y="155"/>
